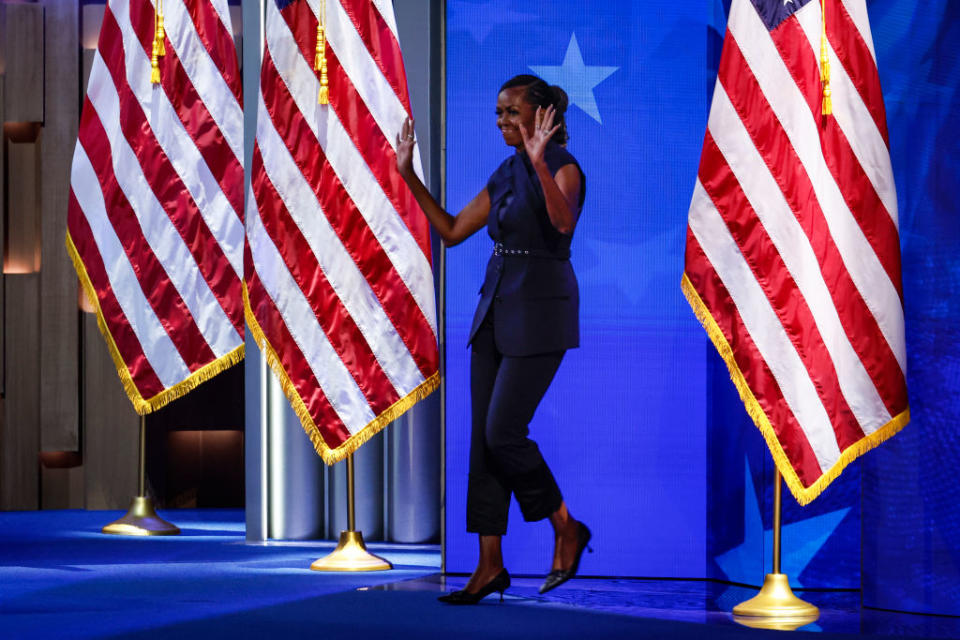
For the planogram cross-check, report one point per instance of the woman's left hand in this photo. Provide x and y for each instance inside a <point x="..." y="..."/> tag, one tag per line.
<point x="536" y="142"/>
<point x="405" y="144"/>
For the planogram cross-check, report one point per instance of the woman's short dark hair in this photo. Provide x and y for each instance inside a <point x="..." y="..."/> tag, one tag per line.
<point x="541" y="94"/>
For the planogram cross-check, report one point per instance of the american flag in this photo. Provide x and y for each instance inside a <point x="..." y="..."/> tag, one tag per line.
<point x="338" y="276"/>
<point x="793" y="255"/>
<point x="155" y="226"/>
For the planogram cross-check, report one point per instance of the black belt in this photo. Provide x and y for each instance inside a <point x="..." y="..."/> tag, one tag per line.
<point x="500" y="250"/>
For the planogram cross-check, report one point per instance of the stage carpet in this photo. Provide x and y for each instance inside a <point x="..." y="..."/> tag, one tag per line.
<point x="61" y="578"/>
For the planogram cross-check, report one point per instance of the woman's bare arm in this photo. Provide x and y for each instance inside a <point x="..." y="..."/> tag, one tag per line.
<point x="453" y="229"/>
<point x="562" y="193"/>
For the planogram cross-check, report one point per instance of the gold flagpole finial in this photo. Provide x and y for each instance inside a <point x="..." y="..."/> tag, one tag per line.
<point x="159" y="49"/>
<point x="320" y="59"/>
<point x="827" y="105"/>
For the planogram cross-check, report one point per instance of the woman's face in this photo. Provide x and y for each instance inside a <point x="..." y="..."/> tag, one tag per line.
<point x="513" y="110"/>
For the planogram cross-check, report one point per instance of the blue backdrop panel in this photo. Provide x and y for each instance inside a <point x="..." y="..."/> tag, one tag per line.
<point x="911" y="498"/>
<point x="623" y="425"/>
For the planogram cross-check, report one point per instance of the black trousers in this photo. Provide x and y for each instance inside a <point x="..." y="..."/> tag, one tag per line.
<point x="505" y="392"/>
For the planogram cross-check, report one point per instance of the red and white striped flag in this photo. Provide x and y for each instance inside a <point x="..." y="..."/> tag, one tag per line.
<point x="155" y="226"/>
<point x="338" y="276"/>
<point x="793" y="255"/>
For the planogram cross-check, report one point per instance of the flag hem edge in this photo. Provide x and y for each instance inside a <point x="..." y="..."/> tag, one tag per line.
<point x="142" y="405"/>
<point x="803" y="495"/>
<point x="329" y="454"/>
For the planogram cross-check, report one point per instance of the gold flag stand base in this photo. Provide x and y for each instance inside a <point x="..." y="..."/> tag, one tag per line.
<point x="351" y="555"/>
<point x="141" y="520"/>
<point x="775" y="607"/>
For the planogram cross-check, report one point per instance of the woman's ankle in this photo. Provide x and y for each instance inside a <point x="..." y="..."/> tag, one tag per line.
<point x="561" y="520"/>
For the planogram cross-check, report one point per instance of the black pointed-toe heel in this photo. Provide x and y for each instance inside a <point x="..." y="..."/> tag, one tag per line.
<point x="500" y="583"/>
<point x="558" y="576"/>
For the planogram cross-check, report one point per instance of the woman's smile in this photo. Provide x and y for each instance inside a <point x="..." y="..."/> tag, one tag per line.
<point x="513" y="111"/>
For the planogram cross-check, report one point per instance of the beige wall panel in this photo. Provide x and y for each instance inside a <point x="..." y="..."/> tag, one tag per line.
<point x="59" y="331"/>
<point x="3" y="45"/>
<point x="23" y="44"/>
<point x="20" y="442"/>
<point x="23" y="212"/>
<point x="110" y="427"/>
<point x="91" y="19"/>
<point x="3" y="198"/>
<point x="87" y="60"/>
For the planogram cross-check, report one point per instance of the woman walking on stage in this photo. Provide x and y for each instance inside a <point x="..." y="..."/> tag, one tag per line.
<point x="525" y="321"/>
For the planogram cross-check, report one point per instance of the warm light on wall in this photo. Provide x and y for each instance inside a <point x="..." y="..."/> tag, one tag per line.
<point x="12" y="266"/>
<point x="83" y="301"/>
<point x="22" y="248"/>
<point x="91" y="20"/>
<point x="20" y="259"/>
<point x="22" y="132"/>
<point x="60" y="459"/>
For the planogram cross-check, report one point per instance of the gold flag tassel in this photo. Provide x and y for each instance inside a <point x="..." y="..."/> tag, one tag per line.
<point x="827" y="105"/>
<point x="320" y="60"/>
<point x="159" y="49"/>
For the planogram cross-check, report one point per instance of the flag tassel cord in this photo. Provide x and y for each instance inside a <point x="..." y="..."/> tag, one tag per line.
<point x="320" y="59"/>
<point x="159" y="48"/>
<point x="804" y="495"/>
<point x="143" y="405"/>
<point x="329" y="454"/>
<point x="826" y="107"/>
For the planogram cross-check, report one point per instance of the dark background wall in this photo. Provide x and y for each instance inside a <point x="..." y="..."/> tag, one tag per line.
<point x="68" y="433"/>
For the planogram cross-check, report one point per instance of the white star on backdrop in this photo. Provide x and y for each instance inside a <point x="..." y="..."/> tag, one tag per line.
<point x="576" y="78"/>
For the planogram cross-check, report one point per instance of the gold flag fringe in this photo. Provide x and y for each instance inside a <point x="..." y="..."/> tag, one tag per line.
<point x="328" y="454"/>
<point x="143" y="405"/>
<point x="804" y="495"/>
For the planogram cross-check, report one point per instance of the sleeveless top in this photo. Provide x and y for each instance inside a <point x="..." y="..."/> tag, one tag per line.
<point x="529" y="282"/>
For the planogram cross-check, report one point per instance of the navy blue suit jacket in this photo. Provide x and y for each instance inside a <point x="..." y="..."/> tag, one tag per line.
<point x="534" y="297"/>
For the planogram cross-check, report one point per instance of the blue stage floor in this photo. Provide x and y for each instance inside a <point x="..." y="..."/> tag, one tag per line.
<point x="61" y="578"/>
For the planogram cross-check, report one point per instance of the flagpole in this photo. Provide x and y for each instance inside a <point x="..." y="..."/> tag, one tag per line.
<point x="141" y="519"/>
<point x="351" y="553"/>
<point x="775" y="607"/>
